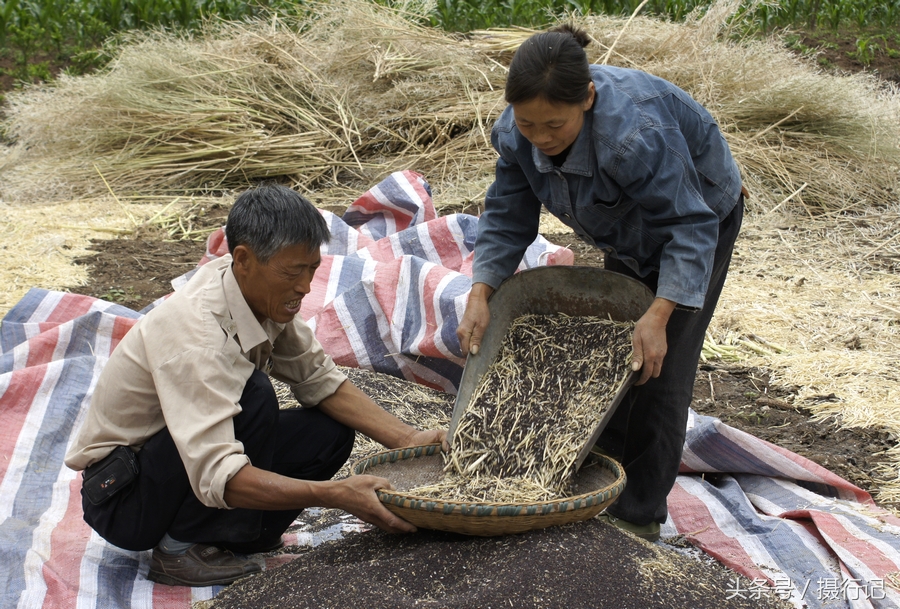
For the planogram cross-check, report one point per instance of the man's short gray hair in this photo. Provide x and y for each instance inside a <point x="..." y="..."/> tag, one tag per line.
<point x="270" y="217"/>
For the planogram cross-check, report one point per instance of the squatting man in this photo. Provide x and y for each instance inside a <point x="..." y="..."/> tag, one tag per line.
<point x="184" y="448"/>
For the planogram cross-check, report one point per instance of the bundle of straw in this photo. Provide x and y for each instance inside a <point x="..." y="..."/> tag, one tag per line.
<point x="350" y="94"/>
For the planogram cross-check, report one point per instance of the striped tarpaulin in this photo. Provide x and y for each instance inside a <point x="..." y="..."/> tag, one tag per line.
<point x="796" y="529"/>
<point x="394" y="281"/>
<point x="388" y="297"/>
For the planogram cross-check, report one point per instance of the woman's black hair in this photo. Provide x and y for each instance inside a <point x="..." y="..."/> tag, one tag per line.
<point x="551" y="65"/>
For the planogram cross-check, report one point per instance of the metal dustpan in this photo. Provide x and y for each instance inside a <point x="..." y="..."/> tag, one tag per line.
<point x="572" y="290"/>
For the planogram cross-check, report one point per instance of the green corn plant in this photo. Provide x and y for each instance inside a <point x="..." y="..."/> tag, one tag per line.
<point x="866" y="49"/>
<point x="7" y="14"/>
<point x="52" y="17"/>
<point x="113" y="13"/>
<point x="146" y="12"/>
<point x="834" y="13"/>
<point x="676" y="9"/>
<point x="229" y="9"/>
<point x="766" y="17"/>
<point x="789" y="9"/>
<point x="862" y="11"/>
<point x="582" y="7"/>
<point x="185" y="13"/>
<point x="889" y="13"/>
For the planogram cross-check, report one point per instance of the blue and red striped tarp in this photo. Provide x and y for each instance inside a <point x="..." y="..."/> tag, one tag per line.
<point x="388" y="296"/>
<point x="794" y="528"/>
<point x="394" y="280"/>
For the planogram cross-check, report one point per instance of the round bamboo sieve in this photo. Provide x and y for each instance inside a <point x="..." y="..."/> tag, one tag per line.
<point x="597" y="484"/>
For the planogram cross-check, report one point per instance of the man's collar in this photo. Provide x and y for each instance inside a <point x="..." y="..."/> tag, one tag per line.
<point x="249" y="331"/>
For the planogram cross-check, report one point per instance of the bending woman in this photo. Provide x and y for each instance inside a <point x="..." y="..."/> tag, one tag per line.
<point x="640" y="170"/>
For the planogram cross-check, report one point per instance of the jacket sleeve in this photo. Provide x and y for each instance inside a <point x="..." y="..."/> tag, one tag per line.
<point x="509" y="223"/>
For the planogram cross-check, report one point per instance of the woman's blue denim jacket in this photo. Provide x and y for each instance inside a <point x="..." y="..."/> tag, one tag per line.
<point x="647" y="180"/>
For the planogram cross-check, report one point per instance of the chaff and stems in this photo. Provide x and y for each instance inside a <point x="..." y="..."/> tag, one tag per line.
<point x="552" y="381"/>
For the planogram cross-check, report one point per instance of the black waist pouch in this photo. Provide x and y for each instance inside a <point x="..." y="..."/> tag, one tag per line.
<point x="110" y="475"/>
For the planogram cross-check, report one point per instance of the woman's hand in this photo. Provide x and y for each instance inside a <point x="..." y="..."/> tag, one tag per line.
<point x="649" y="340"/>
<point x="475" y="320"/>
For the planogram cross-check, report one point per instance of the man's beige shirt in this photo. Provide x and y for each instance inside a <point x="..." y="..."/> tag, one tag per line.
<point x="184" y="366"/>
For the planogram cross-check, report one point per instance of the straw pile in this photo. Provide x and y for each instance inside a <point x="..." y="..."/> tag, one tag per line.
<point x="554" y="378"/>
<point x="349" y="95"/>
<point x="357" y="90"/>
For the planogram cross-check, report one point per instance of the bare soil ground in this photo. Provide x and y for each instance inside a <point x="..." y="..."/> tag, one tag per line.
<point x="580" y="566"/>
<point x="848" y="51"/>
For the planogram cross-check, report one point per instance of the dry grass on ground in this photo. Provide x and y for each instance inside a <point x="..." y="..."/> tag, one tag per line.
<point x="41" y="241"/>
<point x="824" y="295"/>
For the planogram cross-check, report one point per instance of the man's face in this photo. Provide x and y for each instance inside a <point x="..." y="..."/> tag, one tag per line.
<point x="275" y="289"/>
<point x="551" y="127"/>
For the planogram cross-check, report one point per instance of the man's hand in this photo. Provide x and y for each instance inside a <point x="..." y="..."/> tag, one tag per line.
<point x="350" y="406"/>
<point x="356" y="495"/>
<point x="255" y="488"/>
<point x="649" y="340"/>
<point x="429" y="436"/>
<point x="475" y="320"/>
<point x="259" y="489"/>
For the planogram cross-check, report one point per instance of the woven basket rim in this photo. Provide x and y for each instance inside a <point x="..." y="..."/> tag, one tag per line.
<point x="429" y="449"/>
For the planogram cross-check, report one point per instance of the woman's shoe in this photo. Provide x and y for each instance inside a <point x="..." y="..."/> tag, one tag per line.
<point x="650" y="532"/>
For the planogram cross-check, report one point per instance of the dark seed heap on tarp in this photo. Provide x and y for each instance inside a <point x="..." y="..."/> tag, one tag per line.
<point x="550" y="385"/>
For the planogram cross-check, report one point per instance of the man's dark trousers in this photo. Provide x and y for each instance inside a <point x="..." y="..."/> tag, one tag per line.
<point x="300" y="443"/>
<point x="648" y="428"/>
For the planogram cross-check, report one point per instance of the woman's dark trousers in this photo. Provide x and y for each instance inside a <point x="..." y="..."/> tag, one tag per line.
<point x="648" y="428"/>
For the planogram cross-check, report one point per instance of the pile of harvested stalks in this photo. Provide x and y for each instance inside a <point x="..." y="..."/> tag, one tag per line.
<point x="518" y="439"/>
<point x="348" y="95"/>
<point x="357" y="90"/>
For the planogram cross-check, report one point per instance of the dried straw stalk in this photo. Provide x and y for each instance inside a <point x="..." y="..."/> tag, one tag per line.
<point x="350" y="94"/>
<point x="551" y="383"/>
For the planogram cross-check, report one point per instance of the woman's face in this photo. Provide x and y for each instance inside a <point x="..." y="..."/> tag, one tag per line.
<point x="551" y="127"/>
